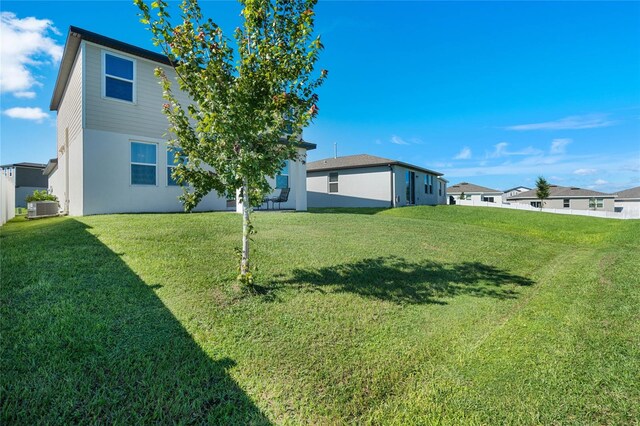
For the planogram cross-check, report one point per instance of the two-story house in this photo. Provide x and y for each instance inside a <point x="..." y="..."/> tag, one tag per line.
<point x="112" y="152"/>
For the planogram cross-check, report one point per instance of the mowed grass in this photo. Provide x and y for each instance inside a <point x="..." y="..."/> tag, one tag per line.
<point x="425" y="315"/>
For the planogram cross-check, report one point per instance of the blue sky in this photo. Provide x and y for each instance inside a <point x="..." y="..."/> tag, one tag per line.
<point x="487" y="92"/>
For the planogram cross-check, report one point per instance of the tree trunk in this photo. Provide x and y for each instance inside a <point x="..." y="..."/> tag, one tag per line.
<point x="244" y="262"/>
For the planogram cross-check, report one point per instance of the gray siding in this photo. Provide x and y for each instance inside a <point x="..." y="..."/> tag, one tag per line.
<point x="421" y="198"/>
<point x="70" y="109"/>
<point x="144" y="117"/>
<point x="359" y="187"/>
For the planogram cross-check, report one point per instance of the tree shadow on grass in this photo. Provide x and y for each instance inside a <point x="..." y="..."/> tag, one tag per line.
<point x="85" y="340"/>
<point x="400" y="281"/>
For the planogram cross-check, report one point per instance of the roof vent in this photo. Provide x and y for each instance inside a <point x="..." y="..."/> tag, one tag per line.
<point x="574" y="188"/>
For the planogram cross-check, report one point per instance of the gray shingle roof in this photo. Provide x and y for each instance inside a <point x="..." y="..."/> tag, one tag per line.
<point x="360" y="160"/>
<point x="556" y="191"/>
<point x="467" y="188"/>
<point x="629" y="193"/>
<point x="30" y="165"/>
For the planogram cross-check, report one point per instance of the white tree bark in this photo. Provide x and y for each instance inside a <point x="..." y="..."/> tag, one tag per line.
<point x="246" y="210"/>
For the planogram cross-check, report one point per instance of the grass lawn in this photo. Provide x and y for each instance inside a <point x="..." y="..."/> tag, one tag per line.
<point x="445" y="315"/>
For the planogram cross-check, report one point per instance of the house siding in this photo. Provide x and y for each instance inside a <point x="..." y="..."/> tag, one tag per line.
<point x="357" y="187"/>
<point x="144" y="117"/>
<point x="69" y="140"/>
<point x="575" y="203"/>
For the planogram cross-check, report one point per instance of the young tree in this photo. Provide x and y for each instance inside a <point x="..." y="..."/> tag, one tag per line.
<point x="542" y="190"/>
<point x="249" y="97"/>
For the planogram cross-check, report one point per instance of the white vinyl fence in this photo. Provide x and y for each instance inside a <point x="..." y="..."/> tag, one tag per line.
<point x="519" y="206"/>
<point x="7" y="196"/>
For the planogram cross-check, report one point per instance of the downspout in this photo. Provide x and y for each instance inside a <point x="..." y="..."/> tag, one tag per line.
<point x="393" y="195"/>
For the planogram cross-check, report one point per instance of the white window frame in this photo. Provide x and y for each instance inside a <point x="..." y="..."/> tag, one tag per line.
<point x="336" y="183"/>
<point x="131" y="163"/>
<point x="104" y="76"/>
<point x="566" y="203"/>
<point x="599" y="203"/>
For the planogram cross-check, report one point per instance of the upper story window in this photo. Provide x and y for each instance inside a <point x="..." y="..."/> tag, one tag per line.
<point x="143" y="163"/>
<point x="119" y="82"/>
<point x="282" y="178"/>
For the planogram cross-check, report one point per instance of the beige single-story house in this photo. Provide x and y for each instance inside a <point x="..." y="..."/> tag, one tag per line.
<point x="473" y="192"/>
<point x="369" y="181"/>
<point x="563" y="197"/>
<point x="628" y="201"/>
<point x="112" y="155"/>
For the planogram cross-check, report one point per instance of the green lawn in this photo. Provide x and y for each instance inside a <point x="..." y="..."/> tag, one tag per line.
<point x="425" y="315"/>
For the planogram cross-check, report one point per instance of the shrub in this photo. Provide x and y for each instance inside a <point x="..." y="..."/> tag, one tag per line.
<point x="41" y="196"/>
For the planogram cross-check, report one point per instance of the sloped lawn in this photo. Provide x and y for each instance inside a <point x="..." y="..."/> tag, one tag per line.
<point x="452" y="315"/>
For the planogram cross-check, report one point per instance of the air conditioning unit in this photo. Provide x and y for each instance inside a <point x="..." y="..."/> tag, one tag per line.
<point x="38" y="209"/>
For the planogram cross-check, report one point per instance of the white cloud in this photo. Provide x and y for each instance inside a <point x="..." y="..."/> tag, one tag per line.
<point x="574" y="122"/>
<point x="34" y="114"/>
<point x="465" y="154"/>
<point x="25" y="44"/>
<point x="559" y="146"/>
<point x="397" y="140"/>
<point x="600" y="182"/>
<point x="502" y="151"/>
<point x="25" y="95"/>
<point x="585" y="172"/>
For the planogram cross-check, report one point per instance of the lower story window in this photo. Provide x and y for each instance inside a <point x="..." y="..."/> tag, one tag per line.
<point x="143" y="163"/>
<point x="333" y="182"/>
<point x="488" y="199"/>
<point x="536" y="204"/>
<point x="282" y="178"/>
<point x="566" y="203"/>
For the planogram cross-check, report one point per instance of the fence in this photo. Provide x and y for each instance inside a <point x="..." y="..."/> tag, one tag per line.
<point x="519" y="206"/>
<point x="7" y="196"/>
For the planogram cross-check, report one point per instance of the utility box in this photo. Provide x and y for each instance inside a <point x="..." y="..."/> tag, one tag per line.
<point x="38" y="209"/>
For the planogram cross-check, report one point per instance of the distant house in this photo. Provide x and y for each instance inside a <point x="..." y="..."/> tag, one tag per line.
<point x="369" y="181"/>
<point x="112" y="152"/>
<point x="628" y="201"/>
<point x="28" y="177"/>
<point x="473" y="192"/>
<point x="563" y="197"/>
<point x="511" y="192"/>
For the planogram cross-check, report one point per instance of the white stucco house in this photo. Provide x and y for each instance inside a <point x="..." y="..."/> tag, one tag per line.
<point x="511" y="192"/>
<point x="628" y="201"/>
<point x="473" y="192"/>
<point x="111" y="150"/>
<point x="563" y="197"/>
<point x="369" y="181"/>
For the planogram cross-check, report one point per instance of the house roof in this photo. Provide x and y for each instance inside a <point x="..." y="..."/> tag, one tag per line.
<point x="556" y="191"/>
<point x="74" y="37"/>
<point x="359" y="161"/>
<point x="631" y="193"/>
<point x="51" y="166"/>
<point x="467" y="188"/>
<point x="28" y="165"/>
<point x="516" y="187"/>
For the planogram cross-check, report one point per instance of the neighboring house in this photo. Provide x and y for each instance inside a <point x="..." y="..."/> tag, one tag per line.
<point x="512" y="192"/>
<point x="369" y="181"/>
<point x="562" y="197"/>
<point x="28" y="177"/>
<point x="112" y="154"/>
<point x="473" y="192"/>
<point x="628" y="201"/>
